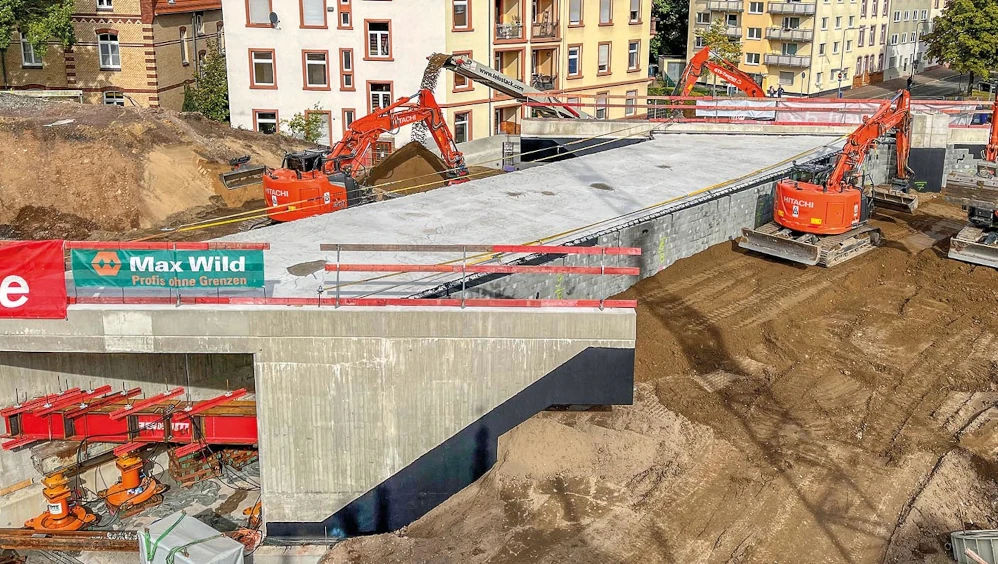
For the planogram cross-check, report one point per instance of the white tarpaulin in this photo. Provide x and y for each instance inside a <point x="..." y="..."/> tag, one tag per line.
<point x="825" y="111"/>
<point x="754" y="109"/>
<point x="182" y="539"/>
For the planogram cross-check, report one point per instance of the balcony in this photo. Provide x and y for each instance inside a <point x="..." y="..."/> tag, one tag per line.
<point x="735" y="32"/>
<point x="509" y="18"/>
<point x="726" y="6"/>
<point x="507" y="31"/>
<point x="544" y="24"/>
<point x="800" y="35"/>
<point x="798" y="8"/>
<point x="544" y="81"/>
<point x="788" y="61"/>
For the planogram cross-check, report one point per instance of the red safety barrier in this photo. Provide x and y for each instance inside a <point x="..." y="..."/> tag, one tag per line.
<point x="484" y="269"/>
<point x="515" y="249"/>
<point x="367" y="302"/>
<point x="160" y="246"/>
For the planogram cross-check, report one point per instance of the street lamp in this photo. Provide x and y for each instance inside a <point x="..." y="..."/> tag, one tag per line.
<point x="842" y="57"/>
<point x="925" y="27"/>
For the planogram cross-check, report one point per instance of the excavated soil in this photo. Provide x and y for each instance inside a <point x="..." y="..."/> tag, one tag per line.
<point x="413" y="169"/>
<point x="85" y="171"/>
<point x="782" y="414"/>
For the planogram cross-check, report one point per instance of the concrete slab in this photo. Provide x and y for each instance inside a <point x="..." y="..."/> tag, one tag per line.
<point x="552" y="203"/>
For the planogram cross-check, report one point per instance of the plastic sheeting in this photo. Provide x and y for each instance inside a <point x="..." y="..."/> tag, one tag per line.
<point x="754" y="109"/>
<point x="845" y="112"/>
<point x="179" y="534"/>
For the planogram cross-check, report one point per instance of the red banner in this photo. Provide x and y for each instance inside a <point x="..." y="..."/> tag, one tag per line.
<point x="32" y="280"/>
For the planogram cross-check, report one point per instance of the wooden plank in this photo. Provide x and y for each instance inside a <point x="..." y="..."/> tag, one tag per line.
<point x="105" y="541"/>
<point x="15" y="487"/>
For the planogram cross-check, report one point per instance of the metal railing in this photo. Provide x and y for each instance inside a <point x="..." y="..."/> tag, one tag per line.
<point x="800" y="8"/>
<point x="545" y="30"/>
<point x="731" y="31"/>
<point x="544" y="81"/>
<point x="787" y="61"/>
<point x="790" y="34"/>
<point x="725" y="6"/>
<point x="509" y="31"/>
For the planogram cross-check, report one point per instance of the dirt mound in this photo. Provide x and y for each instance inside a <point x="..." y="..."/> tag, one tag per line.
<point x="116" y="169"/>
<point x="782" y="414"/>
<point x="47" y="223"/>
<point x="409" y="170"/>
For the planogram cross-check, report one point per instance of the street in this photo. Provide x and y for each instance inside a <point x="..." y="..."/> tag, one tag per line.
<point x="935" y="83"/>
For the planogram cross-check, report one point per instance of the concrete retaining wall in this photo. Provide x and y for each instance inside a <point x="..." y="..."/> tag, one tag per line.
<point x="347" y="398"/>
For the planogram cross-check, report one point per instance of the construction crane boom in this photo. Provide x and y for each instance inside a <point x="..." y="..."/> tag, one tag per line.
<point x="719" y="66"/>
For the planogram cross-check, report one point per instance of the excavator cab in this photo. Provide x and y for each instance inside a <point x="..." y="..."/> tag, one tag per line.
<point x="304" y="161"/>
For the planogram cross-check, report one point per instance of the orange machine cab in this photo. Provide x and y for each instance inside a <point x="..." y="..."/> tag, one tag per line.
<point x="301" y="189"/>
<point x="803" y="205"/>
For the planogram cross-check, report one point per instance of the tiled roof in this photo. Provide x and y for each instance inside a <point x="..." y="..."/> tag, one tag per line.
<point x="182" y="6"/>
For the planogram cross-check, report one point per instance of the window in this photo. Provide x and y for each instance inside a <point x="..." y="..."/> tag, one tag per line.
<point x="790" y="49"/>
<point x="859" y="65"/>
<point x="862" y="37"/>
<point x="635" y="12"/>
<point x="873" y="10"/>
<point x="263" y="75"/>
<point x="835" y="48"/>
<point x="883" y="34"/>
<point x="633" y="62"/>
<point x="28" y="56"/>
<point x="894" y="39"/>
<point x="904" y="63"/>
<point x="183" y="46"/>
<point x="886" y="8"/>
<point x="838" y="22"/>
<point x="892" y="63"/>
<point x="460" y="15"/>
<point x="346" y="18"/>
<point x="325" y="125"/>
<point x="110" y="55"/>
<point x="220" y="30"/>
<point x="105" y="5"/>
<point x="848" y="45"/>
<point x="575" y="12"/>
<point x="852" y="21"/>
<point x="630" y="102"/>
<point x="462" y="127"/>
<point x="755" y="33"/>
<point x="862" y="9"/>
<point x="787" y="77"/>
<point x="573" y="102"/>
<point x="114" y="98"/>
<point x="791" y="22"/>
<point x="752" y="58"/>
<point x="265" y="121"/>
<point x="732" y="20"/>
<point x="604" y="59"/>
<point x="313" y="13"/>
<point x="380" y="94"/>
<point x="601" y="105"/>
<point x="316" y="70"/>
<point x="906" y="15"/>
<point x="703" y="17"/>
<point x="755" y="7"/>
<point x="880" y="62"/>
<point x="462" y="84"/>
<point x="821" y="49"/>
<point x="873" y="35"/>
<point x="574" y="61"/>
<point x="348" y="117"/>
<point x="897" y="16"/>
<point x="605" y="12"/>
<point x="346" y="70"/>
<point x="925" y="15"/>
<point x="379" y="43"/>
<point x="817" y="79"/>
<point x="258" y="13"/>
<point x="824" y="23"/>
<point x="698" y="42"/>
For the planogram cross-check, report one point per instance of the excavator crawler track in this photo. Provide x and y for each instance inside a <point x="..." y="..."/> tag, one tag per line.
<point x="806" y="248"/>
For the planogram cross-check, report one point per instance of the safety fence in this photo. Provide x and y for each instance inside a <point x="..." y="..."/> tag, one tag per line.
<point x="34" y="281"/>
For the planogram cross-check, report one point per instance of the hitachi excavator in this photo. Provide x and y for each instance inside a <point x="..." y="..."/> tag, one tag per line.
<point x="821" y="214"/>
<point x="977" y="243"/>
<point x="318" y="181"/>
<point x="719" y="66"/>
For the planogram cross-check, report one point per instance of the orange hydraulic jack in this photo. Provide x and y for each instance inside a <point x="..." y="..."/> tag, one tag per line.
<point x="134" y="491"/>
<point x="60" y="516"/>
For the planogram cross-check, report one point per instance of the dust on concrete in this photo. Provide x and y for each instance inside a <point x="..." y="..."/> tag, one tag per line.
<point x="782" y="414"/>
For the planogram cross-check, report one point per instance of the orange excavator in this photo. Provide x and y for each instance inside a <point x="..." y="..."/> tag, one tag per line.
<point x="719" y="66"/>
<point x="318" y="181"/>
<point x="977" y="243"/>
<point x="821" y="214"/>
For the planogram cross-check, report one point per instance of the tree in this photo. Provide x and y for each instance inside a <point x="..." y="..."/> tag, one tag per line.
<point x="39" y="20"/>
<point x="673" y="21"/>
<point x="209" y="96"/>
<point x="716" y="37"/>
<point x="966" y="37"/>
<point x="307" y="125"/>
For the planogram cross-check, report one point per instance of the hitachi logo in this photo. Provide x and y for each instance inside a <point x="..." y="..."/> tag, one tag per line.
<point x="798" y="203"/>
<point x="194" y="264"/>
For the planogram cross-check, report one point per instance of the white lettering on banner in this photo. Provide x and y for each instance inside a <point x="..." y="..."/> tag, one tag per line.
<point x="13" y="285"/>
<point x="796" y="202"/>
<point x="176" y="426"/>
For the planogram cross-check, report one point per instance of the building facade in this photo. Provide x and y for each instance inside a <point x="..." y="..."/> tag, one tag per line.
<point x="345" y="58"/>
<point x="139" y="52"/>
<point x="817" y="47"/>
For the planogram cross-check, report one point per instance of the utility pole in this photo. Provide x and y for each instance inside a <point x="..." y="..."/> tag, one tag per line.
<point x="842" y="58"/>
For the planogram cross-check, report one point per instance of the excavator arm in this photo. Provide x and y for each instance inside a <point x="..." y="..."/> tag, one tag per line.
<point x="722" y="68"/>
<point x="894" y="114"/>
<point x="991" y="151"/>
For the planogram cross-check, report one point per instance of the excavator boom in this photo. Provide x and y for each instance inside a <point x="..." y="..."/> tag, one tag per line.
<point x="719" y="66"/>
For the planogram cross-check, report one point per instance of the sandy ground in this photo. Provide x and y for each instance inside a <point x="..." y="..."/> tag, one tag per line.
<point x="782" y="414"/>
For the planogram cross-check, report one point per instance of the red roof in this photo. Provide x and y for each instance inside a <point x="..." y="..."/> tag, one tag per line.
<point x="182" y="6"/>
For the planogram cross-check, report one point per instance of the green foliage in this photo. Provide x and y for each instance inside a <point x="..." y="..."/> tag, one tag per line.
<point x="189" y="105"/>
<point x="39" y="20"/>
<point x="717" y="39"/>
<point x="673" y="18"/>
<point x="966" y="37"/>
<point x="209" y="95"/>
<point x="307" y="126"/>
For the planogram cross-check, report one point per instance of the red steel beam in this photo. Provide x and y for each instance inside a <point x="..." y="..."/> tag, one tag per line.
<point x="160" y="246"/>
<point x="82" y="398"/>
<point x="140" y="405"/>
<point x="202" y="406"/>
<point x="33" y="403"/>
<point x="101" y="402"/>
<point x="484" y="269"/>
<point x="20" y="442"/>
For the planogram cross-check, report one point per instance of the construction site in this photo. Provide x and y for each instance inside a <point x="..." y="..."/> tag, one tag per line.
<point x="726" y="330"/>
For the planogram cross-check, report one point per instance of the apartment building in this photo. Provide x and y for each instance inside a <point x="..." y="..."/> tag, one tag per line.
<point x="910" y="19"/>
<point x="812" y="47"/>
<point x="138" y="52"/>
<point x="350" y="57"/>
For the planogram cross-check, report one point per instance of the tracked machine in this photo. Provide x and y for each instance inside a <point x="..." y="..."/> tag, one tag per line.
<point x="723" y="68"/>
<point x="821" y="212"/>
<point x="977" y="243"/>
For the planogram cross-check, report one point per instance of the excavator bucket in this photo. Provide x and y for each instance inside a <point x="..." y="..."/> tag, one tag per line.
<point x="894" y="199"/>
<point x="242" y="177"/>
<point x="769" y="240"/>
<point x="976" y="246"/>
